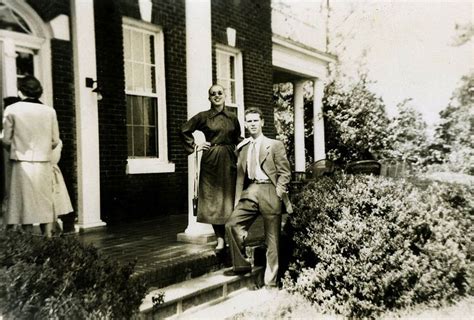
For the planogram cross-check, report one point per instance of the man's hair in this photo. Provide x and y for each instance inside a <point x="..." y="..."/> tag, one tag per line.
<point x="254" y="110"/>
<point x="30" y="87"/>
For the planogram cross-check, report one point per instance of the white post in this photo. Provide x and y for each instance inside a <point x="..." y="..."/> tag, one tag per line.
<point x="87" y="120"/>
<point x="298" y="102"/>
<point x="199" y="79"/>
<point x="319" y="144"/>
<point x="9" y="69"/>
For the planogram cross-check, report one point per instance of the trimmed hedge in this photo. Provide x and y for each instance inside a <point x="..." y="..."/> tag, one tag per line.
<point x="60" y="278"/>
<point x="366" y="244"/>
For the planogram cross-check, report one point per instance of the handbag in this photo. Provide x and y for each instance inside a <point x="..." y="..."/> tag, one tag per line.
<point x="196" y="182"/>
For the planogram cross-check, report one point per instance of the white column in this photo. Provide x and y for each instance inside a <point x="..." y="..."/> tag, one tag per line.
<point x="9" y="69"/>
<point x="298" y="102"/>
<point x="87" y="120"/>
<point x="199" y="79"/>
<point x="319" y="144"/>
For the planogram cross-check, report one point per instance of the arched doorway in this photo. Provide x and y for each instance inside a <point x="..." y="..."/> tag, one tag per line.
<point x="24" y="50"/>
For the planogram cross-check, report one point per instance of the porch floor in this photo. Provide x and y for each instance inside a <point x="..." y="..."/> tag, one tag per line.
<point x="151" y="242"/>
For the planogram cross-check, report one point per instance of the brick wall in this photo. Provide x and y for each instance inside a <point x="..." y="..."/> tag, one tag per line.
<point x="252" y="22"/>
<point x="143" y="195"/>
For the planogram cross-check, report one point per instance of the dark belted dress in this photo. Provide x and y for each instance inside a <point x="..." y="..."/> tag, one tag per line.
<point x="218" y="164"/>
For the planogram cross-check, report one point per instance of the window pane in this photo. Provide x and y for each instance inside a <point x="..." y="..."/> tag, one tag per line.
<point x="138" y="77"/>
<point x="150" y="79"/>
<point x="126" y="44"/>
<point x="137" y="46"/>
<point x="232" y="67"/>
<point x="150" y="140"/>
<point x="128" y="76"/>
<point x="232" y="92"/>
<point x="129" y="110"/>
<point x="138" y="142"/>
<point x="149" y="109"/>
<point x="149" y="49"/>
<point x="137" y="111"/>
<point x="130" y="141"/>
<point x="24" y="64"/>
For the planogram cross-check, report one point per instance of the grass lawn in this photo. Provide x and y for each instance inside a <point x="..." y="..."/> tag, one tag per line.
<point x="287" y="306"/>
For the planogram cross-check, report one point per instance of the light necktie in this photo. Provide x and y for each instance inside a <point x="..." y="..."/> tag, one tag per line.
<point x="253" y="161"/>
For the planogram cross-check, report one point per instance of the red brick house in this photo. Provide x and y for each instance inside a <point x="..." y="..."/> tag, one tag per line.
<point x="152" y="62"/>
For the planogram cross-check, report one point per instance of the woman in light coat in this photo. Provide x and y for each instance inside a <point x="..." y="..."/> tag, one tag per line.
<point x="30" y="132"/>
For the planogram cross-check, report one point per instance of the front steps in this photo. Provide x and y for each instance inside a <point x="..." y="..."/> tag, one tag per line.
<point x="194" y="294"/>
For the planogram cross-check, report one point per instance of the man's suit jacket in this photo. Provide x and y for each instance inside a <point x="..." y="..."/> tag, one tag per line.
<point x="274" y="163"/>
<point x="31" y="130"/>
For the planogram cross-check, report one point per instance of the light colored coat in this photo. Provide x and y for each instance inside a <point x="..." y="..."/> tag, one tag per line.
<point x="274" y="163"/>
<point x="31" y="130"/>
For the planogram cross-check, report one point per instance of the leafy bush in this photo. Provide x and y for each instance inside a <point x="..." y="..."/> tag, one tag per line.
<point x="367" y="244"/>
<point x="61" y="278"/>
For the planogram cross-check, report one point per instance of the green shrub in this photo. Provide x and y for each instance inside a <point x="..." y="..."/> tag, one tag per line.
<point x="366" y="244"/>
<point x="61" y="278"/>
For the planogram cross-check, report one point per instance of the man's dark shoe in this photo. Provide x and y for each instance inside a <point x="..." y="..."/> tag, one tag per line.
<point x="230" y="273"/>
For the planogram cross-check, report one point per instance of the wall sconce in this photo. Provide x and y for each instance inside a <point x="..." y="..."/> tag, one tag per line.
<point x="90" y="84"/>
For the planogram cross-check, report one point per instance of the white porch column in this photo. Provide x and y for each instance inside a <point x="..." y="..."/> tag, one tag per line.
<point x="87" y="121"/>
<point x="298" y="101"/>
<point x="9" y="70"/>
<point x="319" y="144"/>
<point x="199" y="79"/>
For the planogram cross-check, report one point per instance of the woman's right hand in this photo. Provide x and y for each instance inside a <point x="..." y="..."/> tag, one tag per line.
<point x="203" y="146"/>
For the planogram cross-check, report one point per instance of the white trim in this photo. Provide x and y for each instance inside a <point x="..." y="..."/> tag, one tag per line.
<point x="323" y="56"/>
<point x="39" y="40"/>
<point x="161" y="164"/>
<point x="239" y="80"/>
<point x="145" y="7"/>
<point x="299" y="60"/>
<point x="60" y="27"/>
<point x="87" y="118"/>
<point x="198" y="81"/>
<point x="148" y="165"/>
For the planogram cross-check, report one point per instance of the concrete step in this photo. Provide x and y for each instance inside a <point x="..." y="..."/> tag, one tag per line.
<point x="198" y="293"/>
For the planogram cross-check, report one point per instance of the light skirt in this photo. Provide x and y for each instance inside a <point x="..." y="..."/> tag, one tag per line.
<point x="61" y="200"/>
<point x="30" y="195"/>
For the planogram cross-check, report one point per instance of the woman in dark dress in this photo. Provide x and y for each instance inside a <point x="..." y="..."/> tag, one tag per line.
<point x="218" y="163"/>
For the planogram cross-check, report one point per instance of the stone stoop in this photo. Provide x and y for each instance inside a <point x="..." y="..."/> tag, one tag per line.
<point x="197" y="293"/>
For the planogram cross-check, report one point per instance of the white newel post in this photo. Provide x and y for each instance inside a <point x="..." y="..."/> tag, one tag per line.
<point x="87" y="120"/>
<point x="319" y="144"/>
<point x="199" y="79"/>
<point x="298" y="98"/>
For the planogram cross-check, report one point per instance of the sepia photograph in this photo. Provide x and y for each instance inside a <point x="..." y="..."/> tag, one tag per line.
<point x="237" y="159"/>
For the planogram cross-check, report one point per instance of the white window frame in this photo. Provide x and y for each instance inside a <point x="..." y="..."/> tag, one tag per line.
<point x="153" y="164"/>
<point x="239" y="79"/>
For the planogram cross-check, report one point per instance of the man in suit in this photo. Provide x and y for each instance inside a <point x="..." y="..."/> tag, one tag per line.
<point x="263" y="173"/>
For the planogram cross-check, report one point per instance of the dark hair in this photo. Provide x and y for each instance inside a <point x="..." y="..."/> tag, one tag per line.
<point x="10" y="100"/>
<point x="30" y="87"/>
<point x="215" y="85"/>
<point x="254" y="110"/>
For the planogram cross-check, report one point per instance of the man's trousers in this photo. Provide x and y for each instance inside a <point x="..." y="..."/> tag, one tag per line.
<point x="255" y="200"/>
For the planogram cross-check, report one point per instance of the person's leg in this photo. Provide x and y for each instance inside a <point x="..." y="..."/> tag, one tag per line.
<point x="270" y="207"/>
<point x="272" y="224"/>
<point x="47" y="229"/>
<point x="27" y="228"/>
<point x="237" y="229"/>
<point x="219" y="230"/>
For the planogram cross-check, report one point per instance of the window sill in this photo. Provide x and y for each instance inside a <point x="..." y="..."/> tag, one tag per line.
<point x="150" y="165"/>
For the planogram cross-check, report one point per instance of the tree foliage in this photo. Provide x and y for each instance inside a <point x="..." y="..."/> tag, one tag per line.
<point x="355" y="122"/>
<point x="455" y="134"/>
<point x="407" y="134"/>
